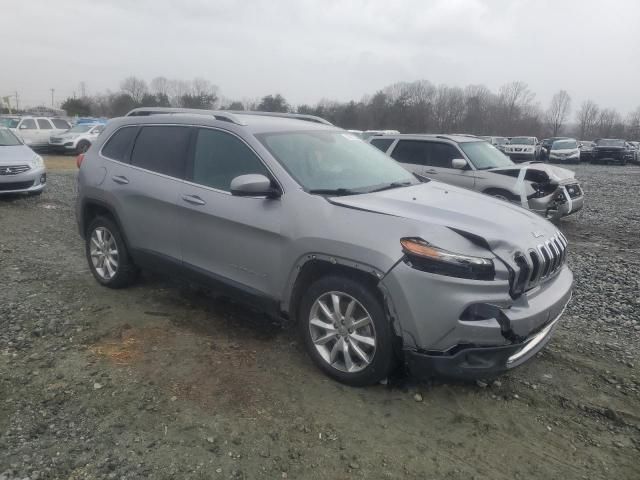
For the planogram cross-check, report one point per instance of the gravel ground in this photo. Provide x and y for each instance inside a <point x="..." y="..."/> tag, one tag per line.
<point x="161" y="381"/>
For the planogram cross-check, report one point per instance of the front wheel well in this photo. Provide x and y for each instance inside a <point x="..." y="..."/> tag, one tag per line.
<point x="315" y="269"/>
<point x="501" y="192"/>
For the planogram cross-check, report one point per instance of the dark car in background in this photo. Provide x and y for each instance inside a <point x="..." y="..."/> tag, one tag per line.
<point x="635" y="146"/>
<point x="612" y="150"/>
<point x="586" y="150"/>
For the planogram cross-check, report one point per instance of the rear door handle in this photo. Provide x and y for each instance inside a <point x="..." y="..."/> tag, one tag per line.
<point x="430" y="171"/>
<point x="193" y="199"/>
<point x="120" y="179"/>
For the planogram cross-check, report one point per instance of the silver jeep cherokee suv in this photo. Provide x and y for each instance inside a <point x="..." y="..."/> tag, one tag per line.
<point x="309" y="222"/>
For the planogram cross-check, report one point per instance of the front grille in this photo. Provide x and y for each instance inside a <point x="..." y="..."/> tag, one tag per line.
<point x="543" y="262"/>
<point x="15" y="186"/>
<point x="13" y="169"/>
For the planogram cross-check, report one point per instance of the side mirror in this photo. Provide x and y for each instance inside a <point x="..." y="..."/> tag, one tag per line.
<point x="459" y="163"/>
<point x="23" y="127"/>
<point x="253" y="185"/>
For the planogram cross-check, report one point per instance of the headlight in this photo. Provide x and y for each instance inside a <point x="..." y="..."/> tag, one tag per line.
<point x="428" y="258"/>
<point x="37" y="162"/>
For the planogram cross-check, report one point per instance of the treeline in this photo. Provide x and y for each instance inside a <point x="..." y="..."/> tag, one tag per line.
<point x="410" y="107"/>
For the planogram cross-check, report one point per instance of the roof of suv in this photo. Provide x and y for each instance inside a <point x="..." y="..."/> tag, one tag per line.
<point x="238" y="117"/>
<point x="457" y="138"/>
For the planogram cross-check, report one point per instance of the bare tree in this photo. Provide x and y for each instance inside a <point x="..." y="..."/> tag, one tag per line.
<point x="587" y="118"/>
<point x="513" y="98"/>
<point x="607" y="121"/>
<point x="633" y="125"/>
<point x="160" y="86"/>
<point x="135" y="87"/>
<point x="177" y="89"/>
<point x="558" y="111"/>
<point x="203" y="88"/>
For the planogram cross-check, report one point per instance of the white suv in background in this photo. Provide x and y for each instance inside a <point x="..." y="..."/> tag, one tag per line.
<point x="35" y="131"/>
<point x="77" y="139"/>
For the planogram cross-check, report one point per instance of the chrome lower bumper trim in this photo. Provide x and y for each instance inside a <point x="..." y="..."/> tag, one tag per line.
<point x="539" y="337"/>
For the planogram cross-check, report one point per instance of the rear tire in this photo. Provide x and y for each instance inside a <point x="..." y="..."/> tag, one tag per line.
<point x="107" y="254"/>
<point x="346" y="331"/>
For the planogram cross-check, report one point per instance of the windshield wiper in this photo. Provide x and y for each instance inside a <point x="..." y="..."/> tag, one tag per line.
<point x="333" y="191"/>
<point x="390" y="186"/>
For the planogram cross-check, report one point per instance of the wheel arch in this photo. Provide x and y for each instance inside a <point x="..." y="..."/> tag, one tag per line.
<point x="310" y="267"/>
<point x="92" y="208"/>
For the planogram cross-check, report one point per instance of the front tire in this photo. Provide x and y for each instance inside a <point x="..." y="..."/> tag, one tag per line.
<point x="346" y="331"/>
<point x="107" y="254"/>
<point x="82" y="147"/>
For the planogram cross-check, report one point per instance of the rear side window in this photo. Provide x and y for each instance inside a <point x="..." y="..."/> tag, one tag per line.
<point x="44" y="124"/>
<point x="415" y="152"/>
<point x="162" y="149"/>
<point x="59" y="123"/>
<point x="382" y="144"/>
<point x="220" y="157"/>
<point x="118" y="146"/>
<point x="28" y="124"/>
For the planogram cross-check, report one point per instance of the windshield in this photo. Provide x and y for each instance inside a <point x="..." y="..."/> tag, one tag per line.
<point x="333" y="161"/>
<point x="8" y="139"/>
<point x="522" y="141"/>
<point x="606" y="142"/>
<point x="483" y="155"/>
<point x="9" y="122"/>
<point x="500" y="140"/>
<point x="80" y="129"/>
<point x="564" y="145"/>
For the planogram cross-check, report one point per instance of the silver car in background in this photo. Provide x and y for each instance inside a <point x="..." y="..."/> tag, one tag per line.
<point x="77" y="139"/>
<point x="469" y="162"/>
<point x="307" y="221"/>
<point x="21" y="169"/>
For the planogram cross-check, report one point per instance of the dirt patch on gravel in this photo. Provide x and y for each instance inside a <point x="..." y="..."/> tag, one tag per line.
<point x="162" y="381"/>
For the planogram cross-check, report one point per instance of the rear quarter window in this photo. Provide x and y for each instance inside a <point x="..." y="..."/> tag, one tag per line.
<point x="119" y="145"/>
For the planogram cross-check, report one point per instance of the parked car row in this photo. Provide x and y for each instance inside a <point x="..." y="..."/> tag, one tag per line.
<point x="54" y="134"/>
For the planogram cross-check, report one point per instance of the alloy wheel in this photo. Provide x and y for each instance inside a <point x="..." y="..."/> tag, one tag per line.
<point x="104" y="253"/>
<point x="342" y="332"/>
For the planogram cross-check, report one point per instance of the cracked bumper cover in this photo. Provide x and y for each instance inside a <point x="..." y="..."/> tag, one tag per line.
<point x="436" y="339"/>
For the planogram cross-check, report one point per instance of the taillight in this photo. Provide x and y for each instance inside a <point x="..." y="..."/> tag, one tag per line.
<point x="79" y="160"/>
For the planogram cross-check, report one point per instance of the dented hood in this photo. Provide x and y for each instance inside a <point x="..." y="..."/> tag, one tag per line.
<point x="504" y="226"/>
<point x="553" y="173"/>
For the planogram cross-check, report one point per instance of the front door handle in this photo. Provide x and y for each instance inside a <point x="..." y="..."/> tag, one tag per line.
<point x="430" y="171"/>
<point x="193" y="199"/>
<point x="120" y="179"/>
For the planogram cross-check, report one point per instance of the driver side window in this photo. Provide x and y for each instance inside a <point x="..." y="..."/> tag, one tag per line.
<point x="219" y="157"/>
<point x="442" y="154"/>
<point x="28" y="124"/>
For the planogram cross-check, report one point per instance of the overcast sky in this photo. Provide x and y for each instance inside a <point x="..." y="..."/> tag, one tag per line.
<point x="308" y="50"/>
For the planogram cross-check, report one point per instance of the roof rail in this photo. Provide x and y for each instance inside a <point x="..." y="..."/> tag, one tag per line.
<point x="296" y="116"/>
<point x="217" y="114"/>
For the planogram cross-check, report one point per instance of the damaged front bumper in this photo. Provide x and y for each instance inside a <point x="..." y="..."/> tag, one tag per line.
<point x="470" y="363"/>
<point x="441" y="336"/>
<point x="565" y="200"/>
